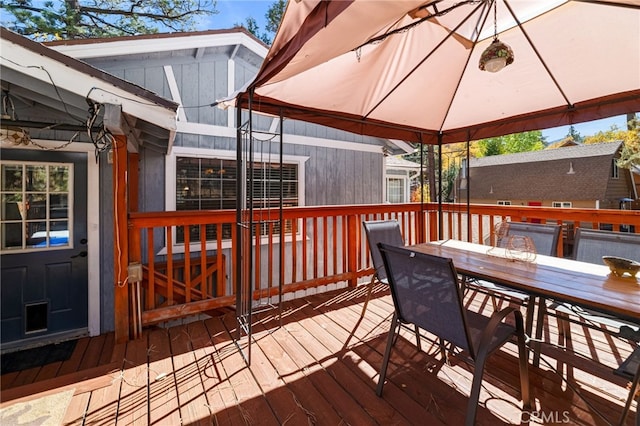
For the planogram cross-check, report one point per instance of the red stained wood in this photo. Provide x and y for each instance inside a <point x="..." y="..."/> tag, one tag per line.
<point x="302" y="371"/>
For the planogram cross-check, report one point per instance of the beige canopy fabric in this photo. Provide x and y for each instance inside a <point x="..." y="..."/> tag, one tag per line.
<point x="409" y="69"/>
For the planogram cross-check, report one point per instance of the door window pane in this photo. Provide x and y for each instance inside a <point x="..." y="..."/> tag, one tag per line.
<point x="36" y="207"/>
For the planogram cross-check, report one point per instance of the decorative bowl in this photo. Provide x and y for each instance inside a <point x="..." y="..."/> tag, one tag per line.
<point x="619" y="265"/>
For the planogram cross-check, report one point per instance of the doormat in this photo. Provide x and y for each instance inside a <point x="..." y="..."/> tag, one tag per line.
<point x="45" y="411"/>
<point x="36" y="357"/>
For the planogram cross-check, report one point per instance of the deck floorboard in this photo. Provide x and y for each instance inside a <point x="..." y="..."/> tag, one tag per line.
<point x="314" y="366"/>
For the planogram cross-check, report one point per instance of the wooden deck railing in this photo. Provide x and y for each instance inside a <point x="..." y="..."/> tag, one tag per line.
<point x="322" y="246"/>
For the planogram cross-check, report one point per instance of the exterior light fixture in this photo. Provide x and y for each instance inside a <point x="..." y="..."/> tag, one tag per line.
<point x="14" y="135"/>
<point x="495" y="57"/>
<point x="498" y="55"/>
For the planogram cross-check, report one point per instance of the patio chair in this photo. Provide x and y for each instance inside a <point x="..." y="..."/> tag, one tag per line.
<point x="630" y="370"/>
<point x="381" y="231"/>
<point x="590" y="246"/>
<point x="426" y="293"/>
<point x="545" y="239"/>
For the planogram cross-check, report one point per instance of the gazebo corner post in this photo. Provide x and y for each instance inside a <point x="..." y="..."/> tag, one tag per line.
<point x="440" y="212"/>
<point x="466" y="173"/>
<point x="239" y="207"/>
<point x="122" y="312"/>
<point x="281" y="272"/>
<point x="421" y="215"/>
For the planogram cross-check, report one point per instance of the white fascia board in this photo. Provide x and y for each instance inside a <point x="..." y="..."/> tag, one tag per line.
<point x="403" y="145"/>
<point x="161" y="44"/>
<point x="230" y="132"/>
<point x="50" y="71"/>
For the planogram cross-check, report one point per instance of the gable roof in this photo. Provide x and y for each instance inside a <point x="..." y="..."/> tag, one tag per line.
<point x="397" y="162"/>
<point x="569" y="152"/>
<point x="57" y="82"/>
<point x="563" y="174"/>
<point x="191" y="44"/>
<point x="160" y="42"/>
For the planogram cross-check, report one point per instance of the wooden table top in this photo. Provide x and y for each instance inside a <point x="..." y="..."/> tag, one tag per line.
<point x="585" y="284"/>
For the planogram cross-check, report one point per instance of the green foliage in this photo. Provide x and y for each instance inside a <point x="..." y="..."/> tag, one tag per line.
<point x="252" y="26"/>
<point x="273" y="16"/>
<point x="510" y="144"/>
<point x="575" y="135"/>
<point x="75" y="19"/>
<point x="630" y="155"/>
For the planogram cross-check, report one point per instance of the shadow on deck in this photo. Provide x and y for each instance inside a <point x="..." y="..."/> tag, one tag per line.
<point x="302" y="373"/>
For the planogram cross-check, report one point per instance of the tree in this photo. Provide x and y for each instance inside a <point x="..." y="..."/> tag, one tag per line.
<point x="273" y="16"/>
<point x="574" y="135"/>
<point x="630" y="155"/>
<point x="510" y="144"/>
<point x="252" y="26"/>
<point x="75" y="19"/>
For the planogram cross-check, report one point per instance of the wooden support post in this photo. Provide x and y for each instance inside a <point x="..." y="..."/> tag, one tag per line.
<point x="121" y="240"/>
<point x="353" y="240"/>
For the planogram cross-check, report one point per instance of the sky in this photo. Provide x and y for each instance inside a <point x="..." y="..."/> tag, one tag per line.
<point x="586" y="129"/>
<point x="233" y="12"/>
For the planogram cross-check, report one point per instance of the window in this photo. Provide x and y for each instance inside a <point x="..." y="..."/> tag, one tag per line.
<point x="564" y="204"/>
<point x="395" y="190"/>
<point x="35" y="205"/>
<point x="206" y="180"/>
<point x="615" y="171"/>
<point x="504" y="203"/>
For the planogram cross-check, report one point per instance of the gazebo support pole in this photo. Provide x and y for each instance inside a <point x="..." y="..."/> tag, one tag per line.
<point x="466" y="173"/>
<point x="440" y="214"/>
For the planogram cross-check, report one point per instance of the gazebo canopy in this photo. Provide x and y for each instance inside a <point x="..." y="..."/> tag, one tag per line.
<point x="409" y="69"/>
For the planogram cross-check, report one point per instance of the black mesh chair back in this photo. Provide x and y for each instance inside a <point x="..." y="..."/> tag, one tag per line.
<point x="426" y="293"/>
<point x="544" y="236"/>
<point x="591" y="244"/>
<point x="382" y="231"/>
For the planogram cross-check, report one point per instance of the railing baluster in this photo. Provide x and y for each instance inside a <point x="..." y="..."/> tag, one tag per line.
<point x="304" y="249"/>
<point x="206" y="284"/>
<point x="151" y="262"/>
<point x="170" y="278"/>
<point x="187" y="263"/>
<point x="294" y="251"/>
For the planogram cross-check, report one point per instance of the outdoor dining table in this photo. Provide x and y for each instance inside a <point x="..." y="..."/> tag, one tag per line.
<point x="545" y="277"/>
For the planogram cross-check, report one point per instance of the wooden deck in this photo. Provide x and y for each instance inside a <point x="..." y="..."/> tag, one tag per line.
<point x="302" y="373"/>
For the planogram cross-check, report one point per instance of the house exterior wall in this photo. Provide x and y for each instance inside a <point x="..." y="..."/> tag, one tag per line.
<point x="339" y="167"/>
<point x="342" y="168"/>
<point x="580" y="204"/>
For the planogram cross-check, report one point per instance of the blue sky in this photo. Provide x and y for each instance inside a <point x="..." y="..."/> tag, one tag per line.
<point x="232" y="12"/>
<point x="586" y="129"/>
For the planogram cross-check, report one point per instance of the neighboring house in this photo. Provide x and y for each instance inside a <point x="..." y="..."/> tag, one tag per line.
<point x="399" y="176"/>
<point x="186" y="159"/>
<point x="583" y="176"/>
<point x="57" y="223"/>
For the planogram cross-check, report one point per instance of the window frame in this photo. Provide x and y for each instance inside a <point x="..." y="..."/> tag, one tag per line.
<point x="47" y="219"/>
<point x="615" y="170"/>
<point x="561" y="204"/>
<point x="405" y="184"/>
<point x="170" y="188"/>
